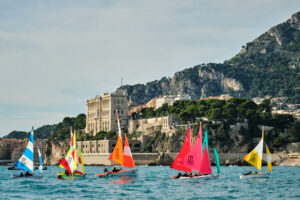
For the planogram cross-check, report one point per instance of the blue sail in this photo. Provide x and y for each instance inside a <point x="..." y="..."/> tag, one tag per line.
<point x="40" y="158"/>
<point x="217" y="160"/>
<point x="26" y="160"/>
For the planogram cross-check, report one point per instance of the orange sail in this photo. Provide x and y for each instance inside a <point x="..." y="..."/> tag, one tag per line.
<point x="127" y="156"/>
<point x="117" y="154"/>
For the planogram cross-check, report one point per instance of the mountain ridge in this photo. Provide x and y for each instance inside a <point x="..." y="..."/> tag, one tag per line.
<point x="268" y="65"/>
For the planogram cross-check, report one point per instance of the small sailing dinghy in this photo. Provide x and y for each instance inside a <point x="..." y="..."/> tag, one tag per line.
<point x="27" y="159"/>
<point x="40" y="167"/>
<point x="255" y="157"/>
<point x="196" y="159"/>
<point x="73" y="163"/>
<point x="120" y="156"/>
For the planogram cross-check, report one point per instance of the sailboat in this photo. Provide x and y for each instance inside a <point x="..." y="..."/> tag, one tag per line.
<point x="27" y="160"/>
<point x="72" y="163"/>
<point x="195" y="158"/>
<point x="255" y="158"/>
<point x="40" y="167"/>
<point x="121" y="156"/>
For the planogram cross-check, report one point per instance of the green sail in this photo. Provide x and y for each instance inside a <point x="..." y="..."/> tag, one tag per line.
<point x="217" y="161"/>
<point x="205" y="141"/>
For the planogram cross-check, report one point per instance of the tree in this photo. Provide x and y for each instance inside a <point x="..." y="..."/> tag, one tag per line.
<point x="80" y="121"/>
<point x="294" y="133"/>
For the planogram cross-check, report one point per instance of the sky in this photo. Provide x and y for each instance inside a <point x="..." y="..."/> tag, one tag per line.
<point x="56" y="54"/>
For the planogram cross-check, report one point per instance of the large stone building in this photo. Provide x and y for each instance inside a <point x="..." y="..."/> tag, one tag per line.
<point x="101" y="112"/>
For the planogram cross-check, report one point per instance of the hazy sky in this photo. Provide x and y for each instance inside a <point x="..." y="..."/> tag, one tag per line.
<point x="56" y="54"/>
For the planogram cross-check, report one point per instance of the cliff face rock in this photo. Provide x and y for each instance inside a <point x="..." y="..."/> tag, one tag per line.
<point x="57" y="152"/>
<point x="199" y="81"/>
<point x="269" y="65"/>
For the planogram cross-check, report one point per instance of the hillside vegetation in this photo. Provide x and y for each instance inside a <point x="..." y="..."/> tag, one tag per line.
<point x="269" y="65"/>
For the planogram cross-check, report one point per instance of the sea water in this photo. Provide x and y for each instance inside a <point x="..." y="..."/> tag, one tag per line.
<point x="153" y="183"/>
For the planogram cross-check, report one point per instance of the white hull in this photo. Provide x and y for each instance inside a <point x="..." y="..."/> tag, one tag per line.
<point x="197" y="177"/>
<point x="132" y="172"/>
<point x="266" y="175"/>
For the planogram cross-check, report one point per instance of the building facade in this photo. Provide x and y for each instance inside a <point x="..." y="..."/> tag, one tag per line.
<point x="169" y="99"/>
<point x="147" y="126"/>
<point x="101" y="112"/>
<point x="105" y="146"/>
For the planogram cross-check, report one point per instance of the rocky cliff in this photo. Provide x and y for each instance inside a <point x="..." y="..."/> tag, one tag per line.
<point x="55" y="151"/>
<point x="269" y="65"/>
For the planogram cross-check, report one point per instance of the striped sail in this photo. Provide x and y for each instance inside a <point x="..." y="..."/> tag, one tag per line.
<point x="127" y="156"/>
<point x="40" y="158"/>
<point x="26" y="160"/>
<point x="70" y="161"/>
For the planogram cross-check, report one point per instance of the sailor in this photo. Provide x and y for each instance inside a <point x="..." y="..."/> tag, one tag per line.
<point x="178" y="175"/>
<point x="114" y="169"/>
<point x="67" y="172"/>
<point x="106" y="171"/>
<point x="21" y="174"/>
<point x="28" y="174"/>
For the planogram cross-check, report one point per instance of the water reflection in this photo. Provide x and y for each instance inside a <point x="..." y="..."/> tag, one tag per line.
<point x="123" y="180"/>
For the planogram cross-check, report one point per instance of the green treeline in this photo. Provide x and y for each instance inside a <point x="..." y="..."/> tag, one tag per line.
<point x="229" y="112"/>
<point x="232" y="111"/>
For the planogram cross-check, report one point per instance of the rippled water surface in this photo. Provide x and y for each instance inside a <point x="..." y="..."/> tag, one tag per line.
<point x="153" y="183"/>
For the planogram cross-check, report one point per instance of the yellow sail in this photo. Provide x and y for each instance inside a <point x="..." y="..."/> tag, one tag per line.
<point x="255" y="156"/>
<point x="269" y="159"/>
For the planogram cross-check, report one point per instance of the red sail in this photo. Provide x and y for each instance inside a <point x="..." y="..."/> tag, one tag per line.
<point x="205" y="167"/>
<point x="194" y="157"/>
<point x="179" y="160"/>
<point x="127" y="156"/>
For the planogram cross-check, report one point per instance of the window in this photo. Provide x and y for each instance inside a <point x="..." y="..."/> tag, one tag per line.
<point x="137" y="145"/>
<point x="122" y="111"/>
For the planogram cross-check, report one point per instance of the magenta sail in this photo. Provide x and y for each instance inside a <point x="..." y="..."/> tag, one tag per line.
<point x="205" y="167"/>
<point x="194" y="157"/>
<point x="186" y="148"/>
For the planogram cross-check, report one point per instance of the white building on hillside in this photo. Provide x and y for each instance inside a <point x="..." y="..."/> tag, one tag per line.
<point x="169" y="99"/>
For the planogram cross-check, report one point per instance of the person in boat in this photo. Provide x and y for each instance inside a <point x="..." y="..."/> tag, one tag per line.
<point x="67" y="172"/>
<point x="106" y="171"/>
<point x="250" y="172"/>
<point x="255" y="172"/>
<point x="21" y="174"/>
<point x="185" y="174"/>
<point x="28" y="174"/>
<point x="178" y="175"/>
<point x="114" y="169"/>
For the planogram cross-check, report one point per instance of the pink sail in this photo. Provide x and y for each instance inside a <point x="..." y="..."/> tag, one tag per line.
<point x="193" y="158"/>
<point x="186" y="148"/>
<point x="205" y="167"/>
